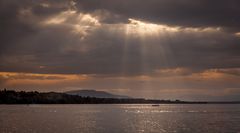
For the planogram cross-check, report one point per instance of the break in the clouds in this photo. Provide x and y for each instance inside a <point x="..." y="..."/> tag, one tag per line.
<point x="158" y="48"/>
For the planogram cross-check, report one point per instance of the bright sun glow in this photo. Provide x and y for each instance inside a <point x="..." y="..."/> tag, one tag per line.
<point x="144" y="28"/>
<point x="59" y="19"/>
<point x="137" y="27"/>
<point x="237" y="34"/>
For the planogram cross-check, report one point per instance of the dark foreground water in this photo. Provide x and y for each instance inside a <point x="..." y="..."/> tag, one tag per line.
<point x="119" y="119"/>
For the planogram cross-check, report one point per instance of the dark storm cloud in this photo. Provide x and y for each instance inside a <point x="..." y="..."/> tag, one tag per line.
<point x="186" y="13"/>
<point x="15" y="19"/>
<point x="29" y="46"/>
<point x="11" y="27"/>
<point x="106" y="53"/>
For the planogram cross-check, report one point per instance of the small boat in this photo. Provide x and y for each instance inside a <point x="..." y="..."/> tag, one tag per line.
<point x="155" y="105"/>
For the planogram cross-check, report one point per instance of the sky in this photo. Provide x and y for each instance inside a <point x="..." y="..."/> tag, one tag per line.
<point x="161" y="49"/>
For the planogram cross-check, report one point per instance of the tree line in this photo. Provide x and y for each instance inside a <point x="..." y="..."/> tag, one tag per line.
<point x="34" y="97"/>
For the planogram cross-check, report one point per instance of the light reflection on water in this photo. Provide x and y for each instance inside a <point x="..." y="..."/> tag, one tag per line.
<point x="119" y="118"/>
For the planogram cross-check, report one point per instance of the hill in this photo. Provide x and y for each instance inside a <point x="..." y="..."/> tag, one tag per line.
<point x="94" y="93"/>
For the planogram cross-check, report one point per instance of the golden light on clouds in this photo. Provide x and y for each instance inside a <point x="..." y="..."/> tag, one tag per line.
<point x="79" y="23"/>
<point x="137" y="27"/>
<point x="211" y="74"/>
<point x="46" y="5"/>
<point x="72" y="17"/>
<point x="237" y="34"/>
<point x="173" y="71"/>
<point x="144" y="28"/>
<point x="83" y="23"/>
<point x="15" y="75"/>
<point x="60" y="18"/>
<point x="181" y="73"/>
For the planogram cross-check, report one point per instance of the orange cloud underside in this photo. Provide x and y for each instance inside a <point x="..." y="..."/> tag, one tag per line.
<point x="11" y="78"/>
<point x="177" y="81"/>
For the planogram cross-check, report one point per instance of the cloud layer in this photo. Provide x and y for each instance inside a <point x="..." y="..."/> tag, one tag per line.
<point x="120" y="40"/>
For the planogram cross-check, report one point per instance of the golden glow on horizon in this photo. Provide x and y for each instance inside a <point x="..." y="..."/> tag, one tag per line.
<point x="35" y="76"/>
<point x="208" y="74"/>
<point x="41" y="81"/>
<point x="175" y="82"/>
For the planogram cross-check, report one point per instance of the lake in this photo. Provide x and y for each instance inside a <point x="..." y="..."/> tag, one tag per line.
<point x="120" y="118"/>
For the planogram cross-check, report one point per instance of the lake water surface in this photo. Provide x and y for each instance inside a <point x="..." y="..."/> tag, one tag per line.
<point x="122" y="118"/>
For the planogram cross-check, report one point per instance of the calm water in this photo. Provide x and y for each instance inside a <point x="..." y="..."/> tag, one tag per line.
<point x="119" y="119"/>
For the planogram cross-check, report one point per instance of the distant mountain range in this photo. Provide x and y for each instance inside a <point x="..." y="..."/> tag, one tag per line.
<point x="94" y="93"/>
